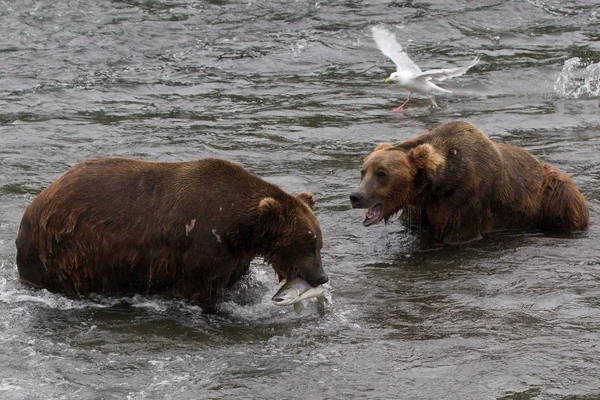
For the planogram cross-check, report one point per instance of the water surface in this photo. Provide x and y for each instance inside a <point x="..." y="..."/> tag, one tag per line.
<point x="294" y="91"/>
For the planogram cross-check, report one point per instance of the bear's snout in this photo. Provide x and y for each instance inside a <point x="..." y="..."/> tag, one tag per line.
<point x="316" y="276"/>
<point x="319" y="280"/>
<point x="356" y="200"/>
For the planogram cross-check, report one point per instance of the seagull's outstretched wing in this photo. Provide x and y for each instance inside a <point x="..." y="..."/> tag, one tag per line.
<point x="443" y="74"/>
<point x="386" y="41"/>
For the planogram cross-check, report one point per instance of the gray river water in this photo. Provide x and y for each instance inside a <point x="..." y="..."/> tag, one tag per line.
<point x="294" y="91"/>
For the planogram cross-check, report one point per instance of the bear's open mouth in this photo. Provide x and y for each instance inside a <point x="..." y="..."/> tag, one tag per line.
<point x="373" y="215"/>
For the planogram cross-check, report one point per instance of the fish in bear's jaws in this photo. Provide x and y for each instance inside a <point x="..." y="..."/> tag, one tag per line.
<point x="296" y="290"/>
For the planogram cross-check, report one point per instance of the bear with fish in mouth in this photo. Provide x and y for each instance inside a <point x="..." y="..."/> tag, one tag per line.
<point x="464" y="185"/>
<point x="183" y="229"/>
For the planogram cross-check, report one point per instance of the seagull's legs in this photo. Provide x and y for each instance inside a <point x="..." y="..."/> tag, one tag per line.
<point x="399" y="108"/>
<point x="433" y="103"/>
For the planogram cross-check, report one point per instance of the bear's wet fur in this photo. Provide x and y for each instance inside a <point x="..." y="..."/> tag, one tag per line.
<point x="464" y="185"/>
<point x="184" y="229"/>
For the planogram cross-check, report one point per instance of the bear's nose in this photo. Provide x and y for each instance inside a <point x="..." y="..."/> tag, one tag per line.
<point x="322" y="279"/>
<point x="355" y="199"/>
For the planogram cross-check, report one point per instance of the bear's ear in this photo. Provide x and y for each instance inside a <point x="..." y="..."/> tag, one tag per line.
<point x="307" y="198"/>
<point x="383" y="146"/>
<point x="427" y="158"/>
<point x="270" y="213"/>
<point x="269" y="205"/>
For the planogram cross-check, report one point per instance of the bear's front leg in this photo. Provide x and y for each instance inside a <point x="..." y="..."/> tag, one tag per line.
<point x="461" y="235"/>
<point x="455" y="228"/>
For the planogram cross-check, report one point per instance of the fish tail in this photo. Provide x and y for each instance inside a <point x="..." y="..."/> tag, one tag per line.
<point x="298" y="307"/>
<point x="324" y="299"/>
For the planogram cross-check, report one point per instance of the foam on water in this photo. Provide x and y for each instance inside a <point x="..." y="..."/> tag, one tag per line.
<point x="9" y="385"/>
<point x="575" y="81"/>
<point x="248" y="300"/>
<point x="13" y="293"/>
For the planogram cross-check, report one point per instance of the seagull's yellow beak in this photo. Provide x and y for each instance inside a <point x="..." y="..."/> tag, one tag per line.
<point x="388" y="80"/>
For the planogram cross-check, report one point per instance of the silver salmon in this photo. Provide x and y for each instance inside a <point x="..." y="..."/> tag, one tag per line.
<point x="296" y="290"/>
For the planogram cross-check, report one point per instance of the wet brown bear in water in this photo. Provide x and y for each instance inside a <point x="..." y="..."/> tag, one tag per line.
<point x="465" y="185"/>
<point x="187" y="230"/>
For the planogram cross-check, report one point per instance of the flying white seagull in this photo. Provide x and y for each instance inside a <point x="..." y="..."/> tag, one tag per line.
<point x="408" y="75"/>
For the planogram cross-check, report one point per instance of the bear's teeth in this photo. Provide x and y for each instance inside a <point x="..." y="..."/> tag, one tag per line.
<point x="373" y="214"/>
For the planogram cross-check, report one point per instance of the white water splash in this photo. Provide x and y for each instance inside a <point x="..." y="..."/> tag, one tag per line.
<point x="575" y="81"/>
<point x="14" y="294"/>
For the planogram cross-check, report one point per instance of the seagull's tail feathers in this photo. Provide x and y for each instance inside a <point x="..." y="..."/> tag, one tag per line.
<point x="433" y="88"/>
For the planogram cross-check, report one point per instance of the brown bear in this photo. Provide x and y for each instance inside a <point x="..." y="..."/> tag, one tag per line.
<point x="183" y="229"/>
<point x="465" y="185"/>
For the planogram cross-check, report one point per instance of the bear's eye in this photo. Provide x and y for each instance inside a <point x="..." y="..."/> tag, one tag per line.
<point x="362" y="173"/>
<point x="311" y="236"/>
<point x="381" y="174"/>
